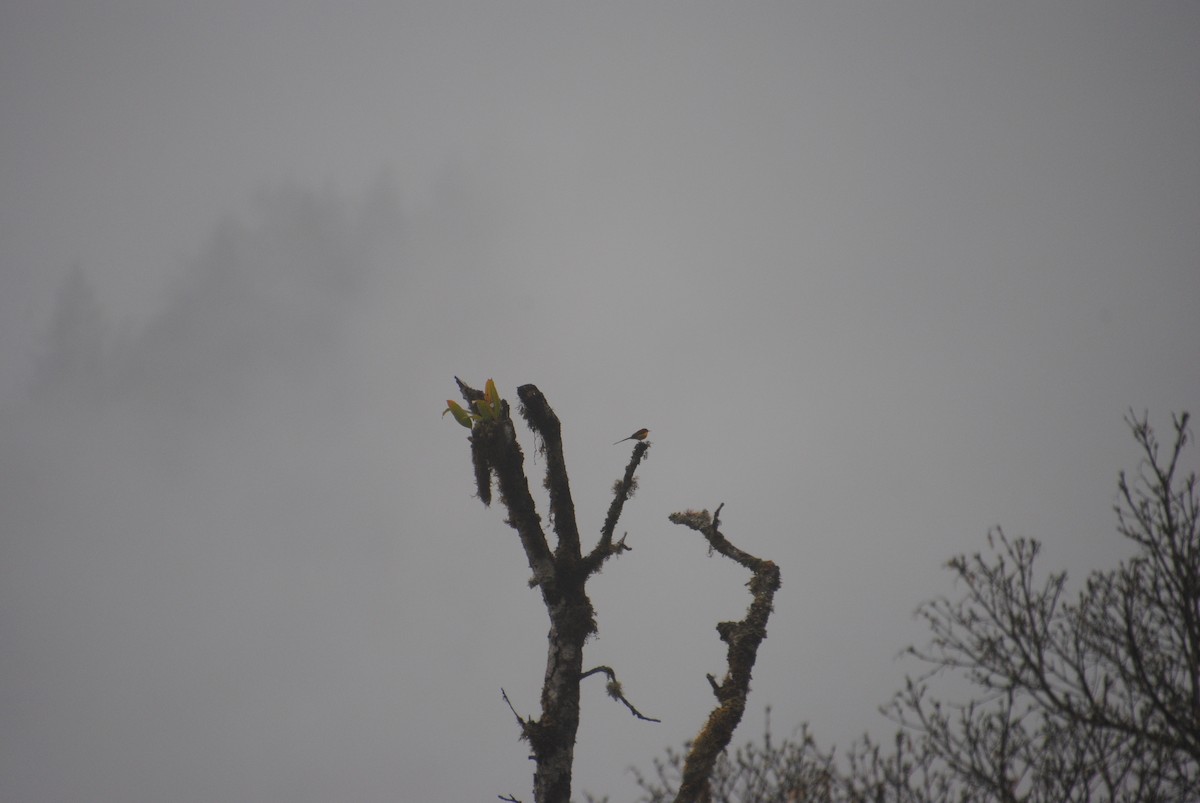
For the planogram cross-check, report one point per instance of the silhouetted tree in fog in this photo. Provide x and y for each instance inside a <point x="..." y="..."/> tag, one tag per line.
<point x="561" y="573"/>
<point x="1095" y="698"/>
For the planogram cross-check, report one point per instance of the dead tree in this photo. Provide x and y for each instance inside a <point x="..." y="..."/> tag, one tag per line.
<point x="561" y="575"/>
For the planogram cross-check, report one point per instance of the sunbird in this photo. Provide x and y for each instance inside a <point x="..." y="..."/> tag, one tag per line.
<point x="640" y="435"/>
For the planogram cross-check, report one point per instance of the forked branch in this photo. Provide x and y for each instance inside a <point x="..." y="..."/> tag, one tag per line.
<point x="560" y="573"/>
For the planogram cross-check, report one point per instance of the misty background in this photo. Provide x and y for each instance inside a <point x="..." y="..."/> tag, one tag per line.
<point x="878" y="276"/>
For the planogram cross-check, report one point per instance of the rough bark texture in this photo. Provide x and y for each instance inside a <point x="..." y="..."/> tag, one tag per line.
<point x="561" y="574"/>
<point x="743" y="639"/>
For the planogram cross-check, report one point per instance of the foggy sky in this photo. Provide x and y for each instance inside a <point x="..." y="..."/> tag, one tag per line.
<point x="878" y="276"/>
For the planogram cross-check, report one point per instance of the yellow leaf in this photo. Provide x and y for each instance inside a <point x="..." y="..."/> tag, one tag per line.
<point x="484" y="409"/>
<point x="460" y="415"/>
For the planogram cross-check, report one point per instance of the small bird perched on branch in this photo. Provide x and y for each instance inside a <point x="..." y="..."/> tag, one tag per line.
<point x="640" y="435"/>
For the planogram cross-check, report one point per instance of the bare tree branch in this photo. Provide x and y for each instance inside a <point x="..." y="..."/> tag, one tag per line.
<point x="613" y="687"/>
<point x="1100" y="693"/>
<point x="743" y="639"/>
<point x="623" y="490"/>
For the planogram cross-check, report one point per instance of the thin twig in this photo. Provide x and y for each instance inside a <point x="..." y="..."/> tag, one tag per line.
<point x="614" y="691"/>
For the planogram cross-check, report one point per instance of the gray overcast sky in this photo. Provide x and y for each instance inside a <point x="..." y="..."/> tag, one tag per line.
<point x="878" y="276"/>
